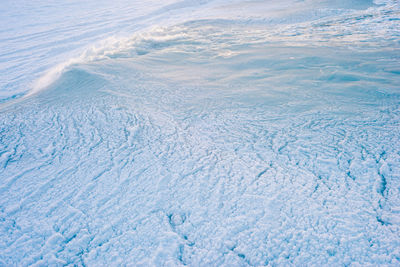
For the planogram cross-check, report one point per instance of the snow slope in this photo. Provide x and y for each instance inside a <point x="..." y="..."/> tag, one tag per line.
<point x="202" y="133"/>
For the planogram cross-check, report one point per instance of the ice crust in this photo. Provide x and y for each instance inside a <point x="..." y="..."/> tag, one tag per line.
<point x="230" y="139"/>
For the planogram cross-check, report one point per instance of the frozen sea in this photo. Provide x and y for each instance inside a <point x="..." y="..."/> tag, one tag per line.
<point x="200" y="133"/>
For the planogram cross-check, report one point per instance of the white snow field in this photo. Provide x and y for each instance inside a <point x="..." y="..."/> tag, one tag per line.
<point x="200" y="133"/>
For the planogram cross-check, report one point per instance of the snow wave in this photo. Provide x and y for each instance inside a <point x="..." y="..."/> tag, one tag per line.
<point x="326" y="23"/>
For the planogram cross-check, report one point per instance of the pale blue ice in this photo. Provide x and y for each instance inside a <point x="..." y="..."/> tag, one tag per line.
<point x="200" y="133"/>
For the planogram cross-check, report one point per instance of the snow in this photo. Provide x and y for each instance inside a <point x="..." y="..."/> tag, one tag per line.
<point x="200" y="133"/>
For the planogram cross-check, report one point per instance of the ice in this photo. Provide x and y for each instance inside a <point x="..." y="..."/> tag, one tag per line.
<point x="202" y="133"/>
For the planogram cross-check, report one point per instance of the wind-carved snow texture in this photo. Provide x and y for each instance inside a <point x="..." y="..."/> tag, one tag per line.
<point x="211" y="143"/>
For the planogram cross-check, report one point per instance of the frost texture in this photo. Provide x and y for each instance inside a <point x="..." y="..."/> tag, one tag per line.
<point x="222" y="141"/>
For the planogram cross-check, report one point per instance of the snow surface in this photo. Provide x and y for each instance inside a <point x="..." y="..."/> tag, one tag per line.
<point x="200" y="133"/>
